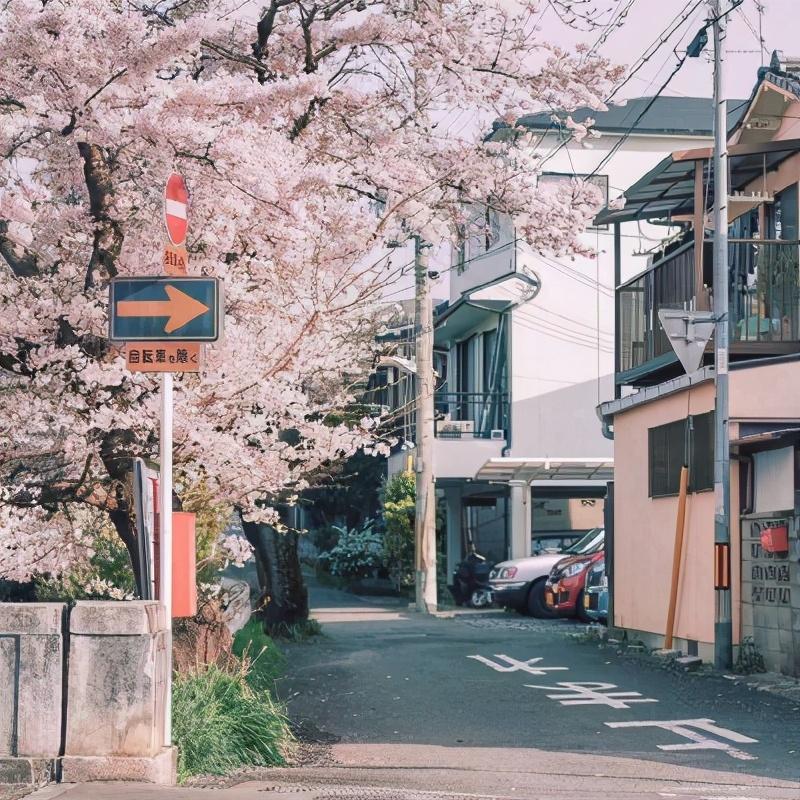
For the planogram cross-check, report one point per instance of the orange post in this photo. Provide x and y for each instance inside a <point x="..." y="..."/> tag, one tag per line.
<point x="184" y="557"/>
<point x="677" y="556"/>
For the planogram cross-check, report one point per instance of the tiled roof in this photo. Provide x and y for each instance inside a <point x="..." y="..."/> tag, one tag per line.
<point x="688" y="116"/>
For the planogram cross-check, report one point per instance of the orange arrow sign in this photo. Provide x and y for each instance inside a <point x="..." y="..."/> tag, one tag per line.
<point x="180" y="308"/>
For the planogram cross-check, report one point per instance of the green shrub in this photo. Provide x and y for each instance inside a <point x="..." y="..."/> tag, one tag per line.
<point x="221" y="722"/>
<point x="399" y="498"/>
<point x="358" y="553"/>
<point x="107" y="575"/>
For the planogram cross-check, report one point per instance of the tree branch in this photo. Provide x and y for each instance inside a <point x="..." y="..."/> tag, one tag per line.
<point x="266" y="25"/>
<point x="22" y="261"/>
<point x="108" y="234"/>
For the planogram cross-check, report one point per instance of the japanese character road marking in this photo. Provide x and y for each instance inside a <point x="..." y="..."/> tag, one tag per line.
<point x="587" y="693"/>
<point x="697" y="741"/>
<point x="512" y="665"/>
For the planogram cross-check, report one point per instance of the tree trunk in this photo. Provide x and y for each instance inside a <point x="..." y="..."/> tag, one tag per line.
<point x="284" y="596"/>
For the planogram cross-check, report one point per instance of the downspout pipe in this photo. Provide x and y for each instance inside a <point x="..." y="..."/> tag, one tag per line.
<point x="606" y="423"/>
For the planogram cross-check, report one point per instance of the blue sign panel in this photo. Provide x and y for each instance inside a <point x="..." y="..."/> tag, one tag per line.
<point x="165" y="309"/>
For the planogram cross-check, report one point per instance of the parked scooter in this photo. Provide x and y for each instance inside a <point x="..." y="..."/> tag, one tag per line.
<point x="471" y="582"/>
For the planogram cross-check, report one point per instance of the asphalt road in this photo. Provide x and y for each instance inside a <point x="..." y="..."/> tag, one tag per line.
<point x="395" y="706"/>
<point x="388" y="686"/>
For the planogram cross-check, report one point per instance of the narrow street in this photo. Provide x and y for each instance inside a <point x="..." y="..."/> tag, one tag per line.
<point x="405" y="703"/>
<point x="390" y="705"/>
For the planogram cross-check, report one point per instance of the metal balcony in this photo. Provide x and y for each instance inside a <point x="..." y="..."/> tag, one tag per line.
<point x="764" y="306"/>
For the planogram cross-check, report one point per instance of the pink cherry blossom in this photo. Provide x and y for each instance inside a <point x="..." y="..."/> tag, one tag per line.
<point x="288" y="129"/>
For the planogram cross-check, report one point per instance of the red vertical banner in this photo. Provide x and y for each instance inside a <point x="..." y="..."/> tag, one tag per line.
<point x="184" y="565"/>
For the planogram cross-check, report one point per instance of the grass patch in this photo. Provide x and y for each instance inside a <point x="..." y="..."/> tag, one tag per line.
<point x="267" y="662"/>
<point x="222" y="721"/>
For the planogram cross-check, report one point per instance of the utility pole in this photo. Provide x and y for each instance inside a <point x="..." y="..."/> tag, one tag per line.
<point x="723" y="633"/>
<point x="425" y="517"/>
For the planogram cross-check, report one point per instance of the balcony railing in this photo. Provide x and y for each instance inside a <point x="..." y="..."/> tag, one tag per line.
<point x="669" y="283"/>
<point x="471" y="415"/>
<point x="764" y="295"/>
<point x="764" y="299"/>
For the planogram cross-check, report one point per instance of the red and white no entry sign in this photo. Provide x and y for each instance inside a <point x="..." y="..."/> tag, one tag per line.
<point x="176" y="209"/>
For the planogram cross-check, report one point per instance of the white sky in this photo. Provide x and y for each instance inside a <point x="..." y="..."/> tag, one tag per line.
<point x="648" y="18"/>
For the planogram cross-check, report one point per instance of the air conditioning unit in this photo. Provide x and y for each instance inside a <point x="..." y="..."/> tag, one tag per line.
<point x="497" y="433"/>
<point x="454" y="428"/>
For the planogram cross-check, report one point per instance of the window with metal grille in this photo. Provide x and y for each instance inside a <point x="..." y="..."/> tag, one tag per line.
<point x="685" y="441"/>
<point x="667" y="447"/>
<point x="701" y="468"/>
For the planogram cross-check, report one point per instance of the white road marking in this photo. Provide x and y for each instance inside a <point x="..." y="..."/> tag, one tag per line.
<point x="512" y="665"/>
<point x="698" y="741"/>
<point x="588" y="693"/>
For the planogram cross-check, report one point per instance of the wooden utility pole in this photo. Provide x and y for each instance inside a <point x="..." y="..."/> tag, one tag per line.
<point x="677" y="557"/>
<point x="425" y="518"/>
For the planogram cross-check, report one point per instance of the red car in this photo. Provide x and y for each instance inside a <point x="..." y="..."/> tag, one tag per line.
<point x="563" y="591"/>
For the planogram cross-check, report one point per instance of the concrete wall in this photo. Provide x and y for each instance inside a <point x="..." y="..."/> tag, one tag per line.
<point x="117" y="670"/>
<point x="115" y="692"/>
<point x="31" y="679"/>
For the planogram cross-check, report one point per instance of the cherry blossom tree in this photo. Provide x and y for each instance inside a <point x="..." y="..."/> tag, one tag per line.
<point x="310" y="135"/>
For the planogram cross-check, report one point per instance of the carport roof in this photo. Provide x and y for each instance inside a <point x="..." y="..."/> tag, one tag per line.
<point x="668" y="190"/>
<point x="547" y="469"/>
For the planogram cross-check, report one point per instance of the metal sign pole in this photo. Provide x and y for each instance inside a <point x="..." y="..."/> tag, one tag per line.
<point x="165" y="506"/>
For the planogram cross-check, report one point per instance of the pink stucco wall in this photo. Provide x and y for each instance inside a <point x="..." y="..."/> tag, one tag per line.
<point x="644" y="527"/>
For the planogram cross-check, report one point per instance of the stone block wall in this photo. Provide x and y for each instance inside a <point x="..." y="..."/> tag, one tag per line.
<point x="31" y="682"/>
<point x="84" y="700"/>
<point x="117" y="679"/>
<point x="771" y="592"/>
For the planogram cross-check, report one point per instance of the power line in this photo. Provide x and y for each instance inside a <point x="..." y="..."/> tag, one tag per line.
<point x="674" y="25"/>
<point x="618" y="144"/>
<point x="617" y="18"/>
<point x="563" y="337"/>
<point x="592" y="328"/>
<point x="758" y="35"/>
<point x="572" y="335"/>
<point x="663" y="38"/>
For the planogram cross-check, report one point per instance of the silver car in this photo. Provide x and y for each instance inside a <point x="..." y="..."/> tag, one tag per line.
<point x="519" y="584"/>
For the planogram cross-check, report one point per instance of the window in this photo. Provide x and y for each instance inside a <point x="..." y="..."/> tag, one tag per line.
<point x="481" y="231"/>
<point x="701" y="470"/>
<point x="667" y="444"/>
<point x="685" y="441"/>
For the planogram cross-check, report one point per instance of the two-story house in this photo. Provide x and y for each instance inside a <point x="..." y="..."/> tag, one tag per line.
<point x="525" y="347"/>
<point x="662" y="417"/>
